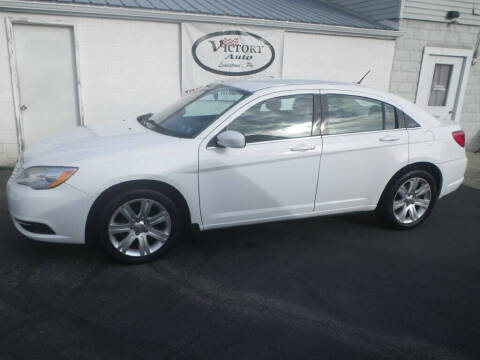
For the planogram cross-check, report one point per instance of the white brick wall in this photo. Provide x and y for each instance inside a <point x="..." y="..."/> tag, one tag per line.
<point x="327" y="57"/>
<point x="407" y="62"/>
<point x="127" y="68"/>
<point x="133" y="67"/>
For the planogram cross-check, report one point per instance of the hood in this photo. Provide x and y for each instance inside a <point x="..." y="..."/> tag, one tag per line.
<point x="84" y="142"/>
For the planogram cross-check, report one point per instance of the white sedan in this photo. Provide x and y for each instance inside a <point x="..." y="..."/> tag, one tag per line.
<point x="236" y="153"/>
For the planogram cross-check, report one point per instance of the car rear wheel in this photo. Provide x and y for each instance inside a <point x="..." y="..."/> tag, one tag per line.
<point x="409" y="200"/>
<point x="140" y="225"/>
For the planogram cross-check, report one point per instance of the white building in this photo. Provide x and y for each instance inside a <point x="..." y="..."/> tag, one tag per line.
<point x="64" y="63"/>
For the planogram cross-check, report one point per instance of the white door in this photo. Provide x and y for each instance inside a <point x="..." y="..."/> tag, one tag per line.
<point x="275" y="175"/>
<point x="364" y="144"/>
<point x="45" y="63"/>
<point x="439" y="85"/>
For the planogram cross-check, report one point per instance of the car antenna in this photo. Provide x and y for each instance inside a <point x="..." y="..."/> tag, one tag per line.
<point x="363" y="77"/>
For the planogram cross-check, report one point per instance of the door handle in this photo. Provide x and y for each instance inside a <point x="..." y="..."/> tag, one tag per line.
<point x="303" y="148"/>
<point x="23" y="107"/>
<point x="388" y="139"/>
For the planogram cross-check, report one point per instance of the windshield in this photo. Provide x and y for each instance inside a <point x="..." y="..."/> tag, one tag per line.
<point x="192" y="114"/>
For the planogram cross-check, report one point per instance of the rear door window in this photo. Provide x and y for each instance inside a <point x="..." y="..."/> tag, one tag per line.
<point x="389" y="117"/>
<point x="353" y="114"/>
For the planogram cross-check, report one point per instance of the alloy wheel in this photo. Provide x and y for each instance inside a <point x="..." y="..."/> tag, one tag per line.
<point x="139" y="227"/>
<point x="412" y="200"/>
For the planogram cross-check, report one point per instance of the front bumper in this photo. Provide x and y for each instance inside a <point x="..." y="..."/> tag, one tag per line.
<point x="64" y="209"/>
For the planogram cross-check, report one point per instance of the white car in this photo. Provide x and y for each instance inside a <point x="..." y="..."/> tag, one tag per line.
<point x="236" y="153"/>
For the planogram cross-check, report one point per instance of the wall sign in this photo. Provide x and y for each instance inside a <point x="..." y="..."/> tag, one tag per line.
<point x="216" y="52"/>
<point x="233" y="53"/>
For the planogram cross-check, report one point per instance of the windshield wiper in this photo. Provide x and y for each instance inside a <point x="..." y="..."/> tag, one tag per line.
<point x="145" y="119"/>
<point x="142" y="119"/>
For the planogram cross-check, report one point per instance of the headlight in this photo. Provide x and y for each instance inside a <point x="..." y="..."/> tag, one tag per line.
<point x="45" y="177"/>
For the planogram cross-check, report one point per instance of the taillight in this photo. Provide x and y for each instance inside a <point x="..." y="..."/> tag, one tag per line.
<point x="459" y="137"/>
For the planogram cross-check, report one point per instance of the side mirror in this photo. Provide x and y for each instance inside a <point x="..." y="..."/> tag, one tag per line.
<point x="231" y="138"/>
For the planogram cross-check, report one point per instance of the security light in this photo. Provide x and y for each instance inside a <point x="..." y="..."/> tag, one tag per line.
<point x="452" y="15"/>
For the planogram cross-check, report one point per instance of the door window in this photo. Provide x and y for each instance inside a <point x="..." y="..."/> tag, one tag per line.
<point x="409" y="122"/>
<point x="389" y="117"/>
<point x="406" y="121"/>
<point x="278" y="118"/>
<point x="440" y="83"/>
<point x="352" y="114"/>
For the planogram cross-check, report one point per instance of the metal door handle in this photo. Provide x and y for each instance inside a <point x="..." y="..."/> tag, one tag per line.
<point x="303" y="148"/>
<point x="23" y="107"/>
<point x="389" y="139"/>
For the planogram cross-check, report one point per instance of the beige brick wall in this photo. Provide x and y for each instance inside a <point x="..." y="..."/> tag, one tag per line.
<point x="408" y="58"/>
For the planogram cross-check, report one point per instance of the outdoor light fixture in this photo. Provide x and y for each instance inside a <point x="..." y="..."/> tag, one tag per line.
<point x="453" y="15"/>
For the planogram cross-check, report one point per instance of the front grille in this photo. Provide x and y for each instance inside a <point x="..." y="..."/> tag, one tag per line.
<point x="36" y="228"/>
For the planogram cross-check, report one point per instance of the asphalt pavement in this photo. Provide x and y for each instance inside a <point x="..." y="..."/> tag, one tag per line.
<point x="337" y="287"/>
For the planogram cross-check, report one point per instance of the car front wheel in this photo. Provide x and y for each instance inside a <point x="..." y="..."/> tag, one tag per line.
<point x="139" y="225"/>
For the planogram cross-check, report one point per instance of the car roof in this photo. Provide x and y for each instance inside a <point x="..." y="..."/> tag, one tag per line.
<point x="266" y="86"/>
<point x="253" y="85"/>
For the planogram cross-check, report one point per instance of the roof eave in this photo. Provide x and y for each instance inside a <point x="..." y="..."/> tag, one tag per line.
<point x="176" y="17"/>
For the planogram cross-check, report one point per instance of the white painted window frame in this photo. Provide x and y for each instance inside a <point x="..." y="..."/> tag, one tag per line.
<point x="467" y="55"/>
<point x="9" y="22"/>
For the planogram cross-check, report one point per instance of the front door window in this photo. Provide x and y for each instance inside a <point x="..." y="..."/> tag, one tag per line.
<point x="279" y="118"/>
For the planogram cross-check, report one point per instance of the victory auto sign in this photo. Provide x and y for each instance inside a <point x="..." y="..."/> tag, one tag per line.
<point x="233" y="53"/>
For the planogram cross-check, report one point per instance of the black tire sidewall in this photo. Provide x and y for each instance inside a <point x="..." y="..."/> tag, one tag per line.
<point x="386" y="209"/>
<point x="121" y="198"/>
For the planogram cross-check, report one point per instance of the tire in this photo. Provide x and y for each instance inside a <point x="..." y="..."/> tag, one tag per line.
<point x="138" y="226"/>
<point x="408" y="200"/>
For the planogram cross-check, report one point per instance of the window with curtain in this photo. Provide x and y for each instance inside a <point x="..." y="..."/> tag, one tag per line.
<point x="440" y="84"/>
